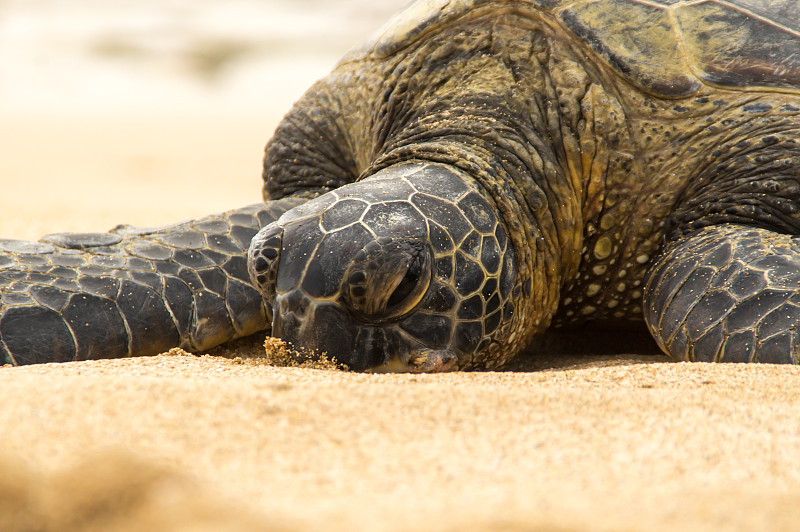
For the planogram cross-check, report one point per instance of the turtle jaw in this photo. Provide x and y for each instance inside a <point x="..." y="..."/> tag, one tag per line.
<point x="324" y="328"/>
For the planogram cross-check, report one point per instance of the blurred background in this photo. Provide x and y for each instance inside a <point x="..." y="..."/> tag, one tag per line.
<point x="151" y="111"/>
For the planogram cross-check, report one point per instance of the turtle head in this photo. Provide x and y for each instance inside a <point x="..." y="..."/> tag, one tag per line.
<point x="407" y="270"/>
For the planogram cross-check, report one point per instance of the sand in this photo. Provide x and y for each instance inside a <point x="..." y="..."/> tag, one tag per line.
<point x="596" y="445"/>
<point x="183" y="442"/>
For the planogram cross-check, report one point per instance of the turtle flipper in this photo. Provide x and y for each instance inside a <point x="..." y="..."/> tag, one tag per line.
<point x="727" y="293"/>
<point x="132" y="292"/>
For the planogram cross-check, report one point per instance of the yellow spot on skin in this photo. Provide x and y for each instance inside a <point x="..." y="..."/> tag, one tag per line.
<point x="602" y="249"/>
<point x="600" y="270"/>
<point x="621" y="287"/>
<point x="613" y="303"/>
<point x="636" y="294"/>
<point x="588" y="310"/>
<point x="622" y="274"/>
<point x="642" y="259"/>
<point x="607" y="222"/>
<point x="593" y="290"/>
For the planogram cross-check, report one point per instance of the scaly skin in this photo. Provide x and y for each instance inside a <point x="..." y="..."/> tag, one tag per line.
<point x="728" y="294"/>
<point x="720" y="157"/>
<point x="139" y="292"/>
<point x="409" y="269"/>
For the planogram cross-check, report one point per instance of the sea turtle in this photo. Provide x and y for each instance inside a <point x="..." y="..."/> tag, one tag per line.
<point x="481" y="171"/>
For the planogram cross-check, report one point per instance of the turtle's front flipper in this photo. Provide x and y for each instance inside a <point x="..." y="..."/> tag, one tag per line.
<point x="727" y="293"/>
<point x="132" y="292"/>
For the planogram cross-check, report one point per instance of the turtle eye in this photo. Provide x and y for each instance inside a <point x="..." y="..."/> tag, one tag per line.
<point x="387" y="279"/>
<point x="407" y="284"/>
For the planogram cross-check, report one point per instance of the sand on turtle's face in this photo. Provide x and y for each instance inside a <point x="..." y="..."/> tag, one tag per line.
<point x="171" y="441"/>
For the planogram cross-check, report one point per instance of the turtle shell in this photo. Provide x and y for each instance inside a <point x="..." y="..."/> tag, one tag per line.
<point x="666" y="47"/>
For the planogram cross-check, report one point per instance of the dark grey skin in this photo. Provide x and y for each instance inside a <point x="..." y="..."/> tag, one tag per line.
<point x="484" y="172"/>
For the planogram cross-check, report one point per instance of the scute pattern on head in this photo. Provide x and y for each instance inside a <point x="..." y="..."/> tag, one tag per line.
<point x="413" y="260"/>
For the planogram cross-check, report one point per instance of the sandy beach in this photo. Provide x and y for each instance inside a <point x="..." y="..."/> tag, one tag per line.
<point x="181" y="442"/>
